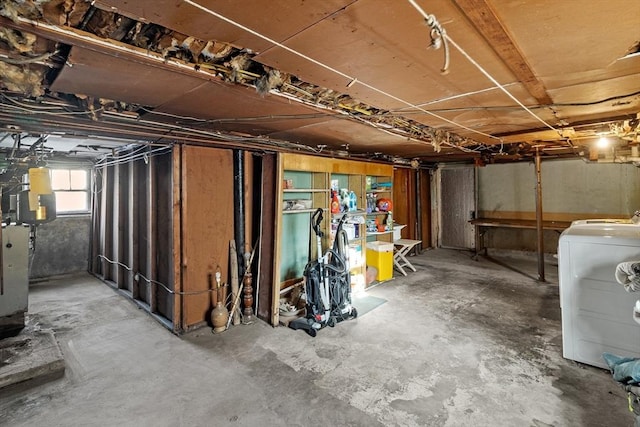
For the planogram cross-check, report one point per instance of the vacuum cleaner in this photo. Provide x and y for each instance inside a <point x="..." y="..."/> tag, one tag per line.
<point x="327" y="282"/>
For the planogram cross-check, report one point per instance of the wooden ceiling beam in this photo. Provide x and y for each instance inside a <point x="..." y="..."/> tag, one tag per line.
<point x="488" y="24"/>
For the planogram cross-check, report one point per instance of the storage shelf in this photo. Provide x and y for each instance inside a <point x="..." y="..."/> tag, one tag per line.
<point x="312" y="178"/>
<point x="305" y="190"/>
<point x="289" y="211"/>
<point x="350" y="213"/>
<point x="377" y="233"/>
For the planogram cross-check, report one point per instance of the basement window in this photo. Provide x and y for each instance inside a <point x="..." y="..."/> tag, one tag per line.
<point x="71" y="187"/>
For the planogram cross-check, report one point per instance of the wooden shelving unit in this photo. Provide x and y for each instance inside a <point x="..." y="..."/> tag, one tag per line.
<point x="379" y="187"/>
<point x="309" y="179"/>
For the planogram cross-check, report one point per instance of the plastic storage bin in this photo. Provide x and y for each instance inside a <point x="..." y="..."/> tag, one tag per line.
<point x="380" y="256"/>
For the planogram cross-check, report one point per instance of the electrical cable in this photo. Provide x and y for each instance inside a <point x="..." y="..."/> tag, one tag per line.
<point x="482" y="70"/>
<point x="132" y="157"/>
<point x="29" y="60"/>
<point x="166" y="288"/>
<point x="32" y="107"/>
<point x="50" y="113"/>
<point x="147" y="129"/>
<point x="350" y="79"/>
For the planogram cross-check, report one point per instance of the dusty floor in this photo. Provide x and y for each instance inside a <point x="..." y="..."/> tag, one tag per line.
<point x="459" y="343"/>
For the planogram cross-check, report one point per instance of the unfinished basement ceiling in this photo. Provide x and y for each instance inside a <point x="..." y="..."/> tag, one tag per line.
<point x="357" y="77"/>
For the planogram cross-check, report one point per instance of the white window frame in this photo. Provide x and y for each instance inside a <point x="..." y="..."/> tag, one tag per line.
<point x="86" y="190"/>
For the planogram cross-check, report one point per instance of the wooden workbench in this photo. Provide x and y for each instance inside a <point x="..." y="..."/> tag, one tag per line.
<point x="482" y="224"/>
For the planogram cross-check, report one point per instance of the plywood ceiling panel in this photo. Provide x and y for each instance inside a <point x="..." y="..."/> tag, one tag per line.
<point x="593" y="92"/>
<point x="276" y="19"/>
<point x="489" y="111"/>
<point x="619" y="68"/>
<point x="359" y="137"/>
<point x="385" y="45"/>
<point x="95" y="74"/>
<point x="568" y="37"/>
<point x="242" y="109"/>
<point x="104" y="76"/>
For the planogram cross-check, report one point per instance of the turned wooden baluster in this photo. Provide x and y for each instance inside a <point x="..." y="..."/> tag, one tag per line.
<point x="247" y="290"/>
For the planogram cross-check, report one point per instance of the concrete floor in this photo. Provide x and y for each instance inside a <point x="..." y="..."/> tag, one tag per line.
<point x="459" y="343"/>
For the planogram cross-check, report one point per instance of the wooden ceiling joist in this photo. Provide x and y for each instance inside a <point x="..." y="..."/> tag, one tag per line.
<point x="485" y="20"/>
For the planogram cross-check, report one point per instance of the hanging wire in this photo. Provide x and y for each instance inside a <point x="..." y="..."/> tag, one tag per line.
<point x="146" y="279"/>
<point x="136" y="155"/>
<point x="349" y="78"/>
<point x="448" y="38"/>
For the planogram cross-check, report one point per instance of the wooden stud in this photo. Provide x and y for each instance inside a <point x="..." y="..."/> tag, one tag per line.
<point x="151" y="236"/>
<point x="177" y="237"/>
<point x="277" y="227"/>
<point x="132" y="231"/>
<point x="107" y="235"/>
<point x="266" y="251"/>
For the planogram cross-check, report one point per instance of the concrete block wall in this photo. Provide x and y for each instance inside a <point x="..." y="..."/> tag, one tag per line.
<point x="571" y="189"/>
<point x="62" y="247"/>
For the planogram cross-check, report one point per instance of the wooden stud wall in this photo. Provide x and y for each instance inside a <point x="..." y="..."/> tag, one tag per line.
<point x="125" y="231"/>
<point x="165" y="223"/>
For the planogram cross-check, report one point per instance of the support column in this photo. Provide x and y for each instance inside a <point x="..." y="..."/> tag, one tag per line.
<point x="539" y="228"/>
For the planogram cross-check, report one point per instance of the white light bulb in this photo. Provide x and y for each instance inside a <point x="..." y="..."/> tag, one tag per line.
<point x="603" y="142"/>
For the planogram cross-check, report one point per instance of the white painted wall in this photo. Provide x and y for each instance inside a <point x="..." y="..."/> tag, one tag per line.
<point x="568" y="186"/>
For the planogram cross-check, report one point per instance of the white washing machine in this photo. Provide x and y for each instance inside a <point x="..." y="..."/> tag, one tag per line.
<point x="597" y="313"/>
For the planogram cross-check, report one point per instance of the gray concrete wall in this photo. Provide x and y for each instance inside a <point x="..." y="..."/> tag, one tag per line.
<point x="62" y="247"/>
<point x="568" y="186"/>
<point x="570" y="189"/>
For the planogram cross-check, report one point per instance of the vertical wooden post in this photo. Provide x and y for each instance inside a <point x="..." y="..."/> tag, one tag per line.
<point x="151" y="233"/>
<point x="132" y="236"/>
<point x="116" y="269"/>
<point x="539" y="228"/>
<point x="107" y="222"/>
<point x="97" y="215"/>
<point x="247" y="291"/>
<point x="177" y="160"/>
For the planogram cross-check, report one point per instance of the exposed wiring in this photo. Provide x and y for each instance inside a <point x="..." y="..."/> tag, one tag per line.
<point x="32" y="107"/>
<point x="51" y="113"/>
<point x="135" y="155"/>
<point x="333" y="70"/>
<point x="28" y="60"/>
<point x="160" y="113"/>
<point x="146" y="129"/>
<point x="482" y="70"/>
<point x="146" y="279"/>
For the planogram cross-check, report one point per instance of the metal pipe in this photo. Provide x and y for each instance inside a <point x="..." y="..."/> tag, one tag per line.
<point x="539" y="228"/>
<point x="418" y="196"/>
<point x="238" y="212"/>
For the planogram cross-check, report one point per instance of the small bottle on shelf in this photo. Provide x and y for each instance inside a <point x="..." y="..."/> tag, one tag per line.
<point x="353" y="201"/>
<point x="335" y="202"/>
